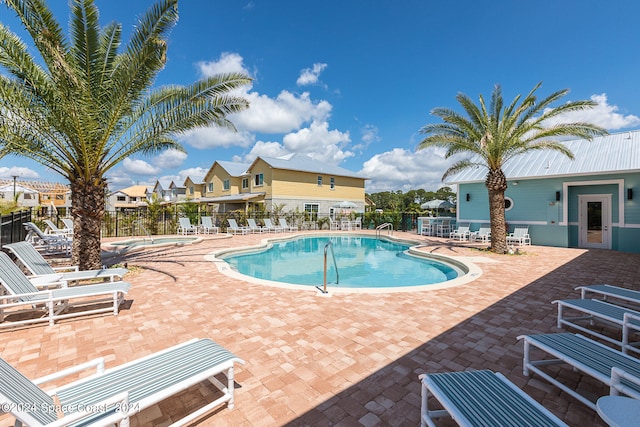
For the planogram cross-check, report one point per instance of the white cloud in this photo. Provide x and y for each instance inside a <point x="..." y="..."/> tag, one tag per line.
<point x="310" y="76"/>
<point x="405" y="170"/>
<point x="19" y="171"/>
<point x="214" y="137"/>
<point x="319" y="142"/>
<point x="169" y="159"/>
<point x="603" y="115"/>
<point x="227" y="63"/>
<point x="196" y="174"/>
<point x="139" y="167"/>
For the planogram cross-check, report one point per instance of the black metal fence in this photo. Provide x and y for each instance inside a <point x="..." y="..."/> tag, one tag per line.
<point x="142" y="222"/>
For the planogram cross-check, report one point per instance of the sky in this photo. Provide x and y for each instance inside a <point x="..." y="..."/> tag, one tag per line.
<point x="352" y="82"/>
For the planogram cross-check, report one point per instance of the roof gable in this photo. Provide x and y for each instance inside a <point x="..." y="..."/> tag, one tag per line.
<point x="304" y="163"/>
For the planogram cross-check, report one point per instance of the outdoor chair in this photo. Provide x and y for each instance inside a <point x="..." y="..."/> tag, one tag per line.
<point x="38" y="267"/>
<point x="285" y="226"/>
<point x="68" y="224"/>
<point x="520" y="236"/>
<point x="357" y="224"/>
<point x="254" y="227"/>
<point x="482" y="235"/>
<point x="581" y="354"/>
<point x="54" y="229"/>
<point x="49" y="243"/>
<point x="443" y="228"/>
<point x="333" y="224"/>
<point x="112" y="396"/>
<point x="24" y="297"/>
<point x="235" y="228"/>
<point x="270" y="227"/>
<point x="481" y="398"/>
<point x="206" y="225"/>
<point x="185" y="226"/>
<point x="462" y="233"/>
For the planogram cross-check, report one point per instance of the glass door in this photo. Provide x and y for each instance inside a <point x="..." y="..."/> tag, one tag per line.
<point x="595" y="221"/>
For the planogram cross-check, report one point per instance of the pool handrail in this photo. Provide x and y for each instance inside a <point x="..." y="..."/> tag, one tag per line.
<point x="381" y="227"/>
<point x="329" y="244"/>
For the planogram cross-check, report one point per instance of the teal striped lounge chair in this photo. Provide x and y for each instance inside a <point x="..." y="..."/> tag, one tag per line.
<point x="481" y="398"/>
<point x="22" y="297"/>
<point x="37" y="266"/>
<point x="581" y="314"/>
<point x="611" y="293"/>
<point x="584" y="355"/>
<point x="114" y="395"/>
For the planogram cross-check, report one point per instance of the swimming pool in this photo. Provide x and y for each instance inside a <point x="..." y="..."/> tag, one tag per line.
<point x="363" y="262"/>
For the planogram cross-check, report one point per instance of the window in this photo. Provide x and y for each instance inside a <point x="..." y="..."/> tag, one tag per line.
<point x="319" y="181"/>
<point x="210" y="187"/>
<point x="46" y="197"/>
<point x="333" y="183"/>
<point x="133" y="199"/>
<point x="259" y="179"/>
<point x="27" y="196"/>
<point x="508" y="203"/>
<point x="191" y="190"/>
<point x="122" y="198"/>
<point x="311" y="211"/>
<point x="226" y="185"/>
<point x="245" y="183"/>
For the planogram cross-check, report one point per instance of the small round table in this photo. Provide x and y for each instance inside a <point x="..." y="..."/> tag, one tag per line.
<point x="619" y="411"/>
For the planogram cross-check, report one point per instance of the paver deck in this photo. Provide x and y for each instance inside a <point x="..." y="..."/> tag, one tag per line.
<point x="345" y="360"/>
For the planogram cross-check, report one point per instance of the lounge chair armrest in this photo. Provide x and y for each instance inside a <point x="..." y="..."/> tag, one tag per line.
<point x="67" y="268"/>
<point x="617" y="375"/>
<point x="120" y="402"/>
<point x="97" y="363"/>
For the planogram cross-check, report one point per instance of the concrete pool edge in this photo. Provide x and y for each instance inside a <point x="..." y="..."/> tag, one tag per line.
<point x="471" y="270"/>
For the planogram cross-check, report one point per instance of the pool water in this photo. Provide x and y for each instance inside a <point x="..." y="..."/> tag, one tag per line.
<point x="362" y="262"/>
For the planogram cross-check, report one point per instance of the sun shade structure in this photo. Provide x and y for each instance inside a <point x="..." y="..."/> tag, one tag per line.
<point x="437" y="204"/>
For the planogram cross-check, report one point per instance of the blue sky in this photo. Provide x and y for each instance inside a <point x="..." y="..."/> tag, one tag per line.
<point x="352" y="82"/>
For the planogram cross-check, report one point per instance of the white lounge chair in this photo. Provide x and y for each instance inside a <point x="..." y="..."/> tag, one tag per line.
<point x="333" y="224"/>
<point x="590" y="311"/>
<point x="22" y="297"/>
<point x="68" y="223"/>
<point x="49" y="243"/>
<point x="54" y="229"/>
<point x="285" y="226"/>
<point x="482" y="235"/>
<point x="580" y="354"/>
<point x="113" y="395"/>
<point x="185" y="226"/>
<point x="254" y="227"/>
<point x="481" y="398"/>
<point x="357" y="223"/>
<point x="234" y="228"/>
<point x="207" y="226"/>
<point x="37" y="266"/>
<point x="520" y="236"/>
<point x="462" y="233"/>
<point x="270" y="227"/>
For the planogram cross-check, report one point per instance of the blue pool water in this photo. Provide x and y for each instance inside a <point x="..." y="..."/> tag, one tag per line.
<point x="362" y="262"/>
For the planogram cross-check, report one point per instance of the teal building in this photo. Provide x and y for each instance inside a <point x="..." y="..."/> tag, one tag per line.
<point x="592" y="201"/>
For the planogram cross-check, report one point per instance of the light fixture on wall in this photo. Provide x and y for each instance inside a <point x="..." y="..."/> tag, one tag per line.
<point x="468" y="197"/>
<point x="629" y="193"/>
<point x="515" y="182"/>
<point x="557" y="196"/>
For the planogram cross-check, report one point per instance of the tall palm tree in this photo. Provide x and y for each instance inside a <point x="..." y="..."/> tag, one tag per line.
<point x="492" y="137"/>
<point x="85" y="105"/>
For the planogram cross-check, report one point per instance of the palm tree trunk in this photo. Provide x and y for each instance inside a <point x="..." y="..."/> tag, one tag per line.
<point x="87" y="198"/>
<point x="498" y="223"/>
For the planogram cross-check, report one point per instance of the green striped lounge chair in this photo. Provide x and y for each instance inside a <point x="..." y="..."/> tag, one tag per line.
<point x="481" y="398"/>
<point x="22" y="296"/>
<point x="111" y="396"/>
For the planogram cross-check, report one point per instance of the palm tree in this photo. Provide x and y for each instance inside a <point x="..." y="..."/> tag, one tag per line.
<point x="86" y="105"/>
<point x="493" y="137"/>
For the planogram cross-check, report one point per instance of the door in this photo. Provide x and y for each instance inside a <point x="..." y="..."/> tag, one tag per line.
<point x="595" y="221"/>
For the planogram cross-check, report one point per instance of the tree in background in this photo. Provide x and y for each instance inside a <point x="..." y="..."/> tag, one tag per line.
<point x="85" y="104"/>
<point x="491" y="137"/>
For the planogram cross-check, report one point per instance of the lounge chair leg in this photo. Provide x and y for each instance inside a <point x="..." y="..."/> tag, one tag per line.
<point x="525" y="362"/>
<point x="231" y="387"/>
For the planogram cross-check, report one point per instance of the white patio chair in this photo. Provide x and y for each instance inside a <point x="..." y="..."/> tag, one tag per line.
<point x="38" y="267"/>
<point x="482" y="235"/>
<point x="49" y="243"/>
<point x="462" y="233"/>
<point x="520" y="236"/>
<point x="234" y="228"/>
<point x="52" y="228"/>
<point x="270" y="227"/>
<point x="207" y="226"/>
<point x="286" y="227"/>
<point x="185" y="226"/>
<point x="254" y="227"/>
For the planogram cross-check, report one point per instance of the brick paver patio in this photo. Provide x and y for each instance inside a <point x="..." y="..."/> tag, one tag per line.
<point x="346" y="360"/>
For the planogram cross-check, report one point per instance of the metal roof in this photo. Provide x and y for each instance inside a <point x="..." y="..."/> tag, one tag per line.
<point x="604" y="154"/>
<point x="231" y="198"/>
<point x="234" y="169"/>
<point x="304" y="163"/>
